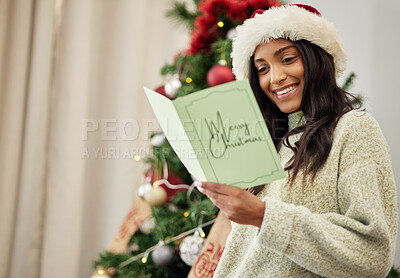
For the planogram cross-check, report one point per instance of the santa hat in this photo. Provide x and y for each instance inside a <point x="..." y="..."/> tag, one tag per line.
<point x="292" y="22"/>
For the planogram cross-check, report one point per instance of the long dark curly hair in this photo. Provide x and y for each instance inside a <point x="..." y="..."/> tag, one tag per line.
<point x="323" y="103"/>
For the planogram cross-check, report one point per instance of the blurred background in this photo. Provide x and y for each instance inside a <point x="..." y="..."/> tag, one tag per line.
<point x="71" y="78"/>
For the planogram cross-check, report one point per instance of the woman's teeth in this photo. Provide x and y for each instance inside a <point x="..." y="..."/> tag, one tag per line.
<point x="286" y="90"/>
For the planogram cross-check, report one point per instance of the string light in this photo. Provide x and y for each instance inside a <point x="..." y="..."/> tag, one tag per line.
<point x="100" y="271"/>
<point x="137" y="157"/>
<point x="145" y="254"/>
<point x="186" y="214"/>
<point x="220" y="24"/>
<point x="188" y="79"/>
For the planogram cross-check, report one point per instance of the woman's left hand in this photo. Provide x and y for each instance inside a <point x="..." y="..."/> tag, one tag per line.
<point x="239" y="205"/>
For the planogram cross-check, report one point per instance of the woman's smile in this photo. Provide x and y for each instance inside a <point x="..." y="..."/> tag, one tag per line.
<point x="285" y="92"/>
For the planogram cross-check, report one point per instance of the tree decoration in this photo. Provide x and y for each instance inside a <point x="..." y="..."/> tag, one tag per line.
<point x="133" y="248"/>
<point x="163" y="255"/>
<point x="172" y="86"/>
<point x="166" y="179"/>
<point x="161" y="91"/>
<point x="191" y="247"/>
<point x="148" y="225"/>
<point x="231" y="34"/>
<point x="219" y="74"/>
<point x="157" y="140"/>
<point x="156" y="196"/>
<point x="101" y="272"/>
<point x="144" y="188"/>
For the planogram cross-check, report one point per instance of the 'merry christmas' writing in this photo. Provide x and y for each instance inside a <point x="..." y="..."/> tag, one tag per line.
<point x="221" y="136"/>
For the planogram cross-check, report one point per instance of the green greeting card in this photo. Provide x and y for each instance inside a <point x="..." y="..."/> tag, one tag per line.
<point x="220" y="135"/>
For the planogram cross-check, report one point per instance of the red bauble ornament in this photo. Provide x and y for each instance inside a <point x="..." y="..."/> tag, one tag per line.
<point x="219" y="74"/>
<point x="173" y="179"/>
<point x="161" y="91"/>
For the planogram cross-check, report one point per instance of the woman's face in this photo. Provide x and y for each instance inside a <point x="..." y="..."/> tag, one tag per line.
<point x="281" y="73"/>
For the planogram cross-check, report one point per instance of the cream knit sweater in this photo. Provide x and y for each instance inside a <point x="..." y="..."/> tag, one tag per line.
<point x="344" y="225"/>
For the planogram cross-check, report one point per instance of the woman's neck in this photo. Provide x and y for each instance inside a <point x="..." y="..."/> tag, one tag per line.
<point x="296" y="119"/>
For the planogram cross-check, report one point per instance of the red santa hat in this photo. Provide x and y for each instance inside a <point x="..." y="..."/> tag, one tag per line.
<point x="292" y="22"/>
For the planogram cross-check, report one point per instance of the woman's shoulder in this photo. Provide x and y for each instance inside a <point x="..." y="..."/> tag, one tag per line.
<point x="360" y="128"/>
<point x="357" y="121"/>
<point x="356" y="115"/>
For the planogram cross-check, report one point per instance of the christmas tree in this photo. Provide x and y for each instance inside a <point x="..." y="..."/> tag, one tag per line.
<point x="163" y="234"/>
<point x="165" y="241"/>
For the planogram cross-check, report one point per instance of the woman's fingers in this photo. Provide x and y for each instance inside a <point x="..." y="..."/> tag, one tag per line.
<point x="214" y="196"/>
<point x="218" y="188"/>
<point x="236" y="207"/>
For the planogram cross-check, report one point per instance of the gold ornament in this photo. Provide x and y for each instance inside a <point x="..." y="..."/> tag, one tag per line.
<point x="156" y="196"/>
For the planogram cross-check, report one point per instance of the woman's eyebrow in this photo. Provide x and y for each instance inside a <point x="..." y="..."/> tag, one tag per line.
<point x="279" y="51"/>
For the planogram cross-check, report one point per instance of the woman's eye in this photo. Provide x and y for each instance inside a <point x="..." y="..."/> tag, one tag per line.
<point x="262" y="69"/>
<point x="288" y="59"/>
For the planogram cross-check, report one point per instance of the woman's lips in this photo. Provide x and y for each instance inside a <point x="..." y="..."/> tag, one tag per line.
<point x="285" y="92"/>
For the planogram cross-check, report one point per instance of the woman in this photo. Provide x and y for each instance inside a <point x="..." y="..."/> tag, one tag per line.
<point x="336" y="213"/>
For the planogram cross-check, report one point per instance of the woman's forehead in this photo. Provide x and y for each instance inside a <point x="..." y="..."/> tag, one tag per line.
<point x="271" y="47"/>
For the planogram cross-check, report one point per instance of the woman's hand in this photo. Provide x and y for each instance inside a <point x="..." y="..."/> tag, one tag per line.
<point x="239" y="205"/>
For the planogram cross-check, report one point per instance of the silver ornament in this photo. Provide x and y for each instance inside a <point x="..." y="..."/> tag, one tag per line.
<point x="172" y="86"/>
<point x="190" y="248"/>
<point x="163" y="255"/>
<point x="144" y="188"/>
<point x="148" y="225"/>
<point x="132" y="248"/>
<point x="173" y="207"/>
<point x="232" y="33"/>
<point x="157" y="140"/>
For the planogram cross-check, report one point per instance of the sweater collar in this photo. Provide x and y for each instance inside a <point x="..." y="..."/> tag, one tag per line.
<point x="296" y="119"/>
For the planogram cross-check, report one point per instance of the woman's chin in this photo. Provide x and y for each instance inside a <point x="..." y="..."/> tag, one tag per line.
<point x="289" y="109"/>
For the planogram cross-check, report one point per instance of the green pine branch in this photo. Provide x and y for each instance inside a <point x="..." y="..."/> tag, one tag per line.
<point x="349" y="81"/>
<point x="182" y="15"/>
<point x="357" y="99"/>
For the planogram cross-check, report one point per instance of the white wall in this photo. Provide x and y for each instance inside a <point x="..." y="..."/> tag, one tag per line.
<point x="371" y="34"/>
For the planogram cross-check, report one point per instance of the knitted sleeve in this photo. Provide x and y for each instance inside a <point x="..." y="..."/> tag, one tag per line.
<point x="360" y="240"/>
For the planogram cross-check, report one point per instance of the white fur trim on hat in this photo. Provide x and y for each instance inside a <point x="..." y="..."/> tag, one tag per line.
<point x="288" y="22"/>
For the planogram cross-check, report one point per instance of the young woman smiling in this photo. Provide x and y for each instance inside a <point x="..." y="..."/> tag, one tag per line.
<point x="336" y="213"/>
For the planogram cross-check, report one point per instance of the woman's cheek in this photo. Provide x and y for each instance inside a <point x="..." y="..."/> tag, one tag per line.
<point x="264" y="84"/>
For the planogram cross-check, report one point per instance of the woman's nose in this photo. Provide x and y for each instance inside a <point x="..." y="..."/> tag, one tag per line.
<point x="277" y="75"/>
